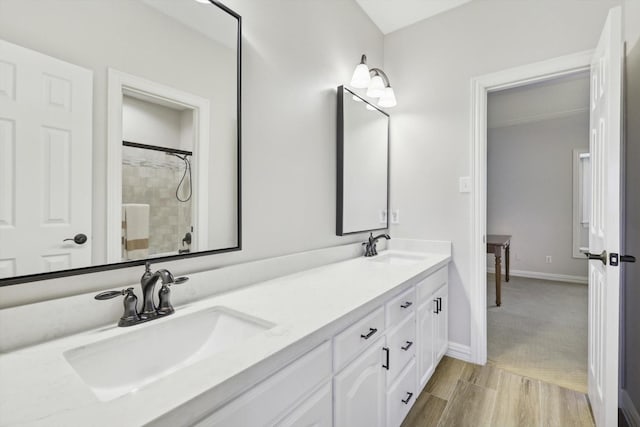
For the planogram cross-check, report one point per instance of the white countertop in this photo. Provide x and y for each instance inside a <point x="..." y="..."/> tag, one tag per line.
<point x="39" y="388"/>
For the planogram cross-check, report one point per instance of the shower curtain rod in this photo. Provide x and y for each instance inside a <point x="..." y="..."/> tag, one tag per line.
<point x="156" y="148"/>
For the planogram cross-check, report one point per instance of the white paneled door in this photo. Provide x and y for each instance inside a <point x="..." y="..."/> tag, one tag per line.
<point x="604" y="229"/>
<point x="45" y="162"/>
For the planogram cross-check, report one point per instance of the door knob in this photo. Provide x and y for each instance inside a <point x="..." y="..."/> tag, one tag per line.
<point x="78" y="239"/>
<point x="601" y="257"/>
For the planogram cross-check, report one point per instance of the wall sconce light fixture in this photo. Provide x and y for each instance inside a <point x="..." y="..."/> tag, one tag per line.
<point x="375" y="81"/>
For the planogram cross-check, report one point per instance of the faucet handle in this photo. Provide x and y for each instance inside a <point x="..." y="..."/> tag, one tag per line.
<point x="113" y="294"/>
<point x="130" y="314"/>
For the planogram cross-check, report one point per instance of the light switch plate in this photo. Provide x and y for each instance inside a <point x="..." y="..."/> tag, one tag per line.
<point x="395" y="216"/>
<point x="383" y="216"/>
<point x="465" y="184"/>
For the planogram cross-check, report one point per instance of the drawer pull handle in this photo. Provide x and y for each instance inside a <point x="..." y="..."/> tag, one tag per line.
<point x="437" y="310"/>
<point x="409" y="396"/>
<point x="406" y="304"/>
<point x="386" y="350"/>
<point x="439" y="304"/>
<point x="408" y="346"/>
<point x="370" y="334"/>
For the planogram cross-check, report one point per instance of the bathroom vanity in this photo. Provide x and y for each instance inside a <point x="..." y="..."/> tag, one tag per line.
<point x="350" y="343"/>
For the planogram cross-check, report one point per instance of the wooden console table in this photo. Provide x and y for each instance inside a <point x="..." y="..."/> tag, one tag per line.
<point x="495" y="244"/>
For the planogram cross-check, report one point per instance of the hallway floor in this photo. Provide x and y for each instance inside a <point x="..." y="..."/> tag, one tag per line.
<point x="540" y="330"/>
<point x="462" y="394"/>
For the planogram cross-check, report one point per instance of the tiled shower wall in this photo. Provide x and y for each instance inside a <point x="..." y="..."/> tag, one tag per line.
<point x="152" y="177"/>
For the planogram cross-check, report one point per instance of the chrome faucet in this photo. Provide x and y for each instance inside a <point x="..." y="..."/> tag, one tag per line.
<point x="149" y="310"/>
<point x="370" y="245"/>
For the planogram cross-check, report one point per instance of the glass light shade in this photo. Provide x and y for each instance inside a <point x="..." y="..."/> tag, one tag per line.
<point x="360" y="77"/>
<point x="376" y="87"/>
<point x="388" y="99"/>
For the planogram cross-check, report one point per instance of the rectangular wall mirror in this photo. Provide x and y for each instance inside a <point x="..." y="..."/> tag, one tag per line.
<point x="119" y="134"/>
<point x="363" y="165"/>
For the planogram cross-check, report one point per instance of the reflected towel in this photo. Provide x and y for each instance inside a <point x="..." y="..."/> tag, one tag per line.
<point x="135" y="231"/>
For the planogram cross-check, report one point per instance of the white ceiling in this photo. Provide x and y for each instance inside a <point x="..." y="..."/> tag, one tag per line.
<point x="391" y="15"/>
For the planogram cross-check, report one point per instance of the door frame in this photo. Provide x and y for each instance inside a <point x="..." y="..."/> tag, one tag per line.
<point x="481" y="86"/>
<point x="120" y="84"/>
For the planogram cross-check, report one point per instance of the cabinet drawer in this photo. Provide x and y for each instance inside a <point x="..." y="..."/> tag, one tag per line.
<point x="401" y="396"/>
<point x="400" y="307"/>
<point x="401" y="342"/>
<point x="357" y="337"/>
<point x="432" y="284"/>
<point x="273" y="397"/>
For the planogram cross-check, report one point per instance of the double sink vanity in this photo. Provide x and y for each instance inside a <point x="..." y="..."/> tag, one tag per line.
<point x="326" y="337"/>
<point x="312" y="348"/>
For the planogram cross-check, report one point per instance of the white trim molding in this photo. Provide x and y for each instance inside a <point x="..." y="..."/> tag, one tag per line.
<point x="583" y="280"/>
<point x="629" y="410"/>
<point x="480" y="87"/>
<point x="459" y="351"/>
<point x="120" y="84"/>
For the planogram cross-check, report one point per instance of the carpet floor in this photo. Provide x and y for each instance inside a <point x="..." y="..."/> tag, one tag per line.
<point x="540" y="330"/>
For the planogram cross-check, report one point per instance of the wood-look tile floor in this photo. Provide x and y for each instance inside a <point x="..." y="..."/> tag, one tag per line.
<point x="462" y="394"/>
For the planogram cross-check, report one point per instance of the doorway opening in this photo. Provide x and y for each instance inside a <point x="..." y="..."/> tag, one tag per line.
<point x="538" y="198"/>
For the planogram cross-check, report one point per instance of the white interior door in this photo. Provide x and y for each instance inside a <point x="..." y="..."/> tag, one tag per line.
<point x="604" y="229"/>
<point x="45" y="162"/>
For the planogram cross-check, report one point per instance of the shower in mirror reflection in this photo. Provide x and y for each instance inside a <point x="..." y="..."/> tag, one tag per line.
<point x="156" y="171"/>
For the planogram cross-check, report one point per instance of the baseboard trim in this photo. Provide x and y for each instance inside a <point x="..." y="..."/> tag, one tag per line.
<point x="544" y="276"/>
<point x="459" y="351"/>
<point x="629" y="410"/>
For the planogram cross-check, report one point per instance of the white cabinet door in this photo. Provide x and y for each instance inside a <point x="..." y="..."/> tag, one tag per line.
<point x="402" y="395"/>
<point x="359" y="390"/>
<point x="425" y="338"/>
<point x="441" y="323"/>
<point x="316" y="411"/>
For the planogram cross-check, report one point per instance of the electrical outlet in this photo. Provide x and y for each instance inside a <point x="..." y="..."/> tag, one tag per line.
<point x="395" y="216"/>
<point x="383" y="216"/>
<point x="548" y="259"/>
<point x="464" y="184"/>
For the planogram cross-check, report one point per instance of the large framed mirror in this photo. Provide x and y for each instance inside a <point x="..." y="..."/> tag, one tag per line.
<point x="363" y="165"/>
<point x="119" y="134"/>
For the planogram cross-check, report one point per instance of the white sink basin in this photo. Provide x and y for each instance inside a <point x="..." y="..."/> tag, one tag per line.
<point x="395" y="258"/>
<point x="120" y="365"/>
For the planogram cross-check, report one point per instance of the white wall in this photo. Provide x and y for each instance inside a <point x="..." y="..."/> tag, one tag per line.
<point x="631" y="289"/>
<point x="530" y="190"/>
<point x="431" y="64"/>
<point x="295" y="54"/>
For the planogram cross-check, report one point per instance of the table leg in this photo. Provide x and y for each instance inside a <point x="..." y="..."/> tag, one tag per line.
<point x="498" y="255"/>
<point x="506" y="276"/>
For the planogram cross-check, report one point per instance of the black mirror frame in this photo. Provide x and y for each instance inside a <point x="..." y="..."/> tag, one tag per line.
<point x="340" y="162"/>
<point x="116" y="266"/>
